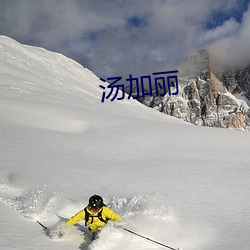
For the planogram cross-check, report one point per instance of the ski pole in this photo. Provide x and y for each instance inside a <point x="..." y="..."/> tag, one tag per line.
<point x="146" y="238"/>
<point x="45" y="228"/>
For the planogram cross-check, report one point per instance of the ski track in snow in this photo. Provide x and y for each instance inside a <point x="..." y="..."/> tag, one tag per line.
<point x="43" y="117"/>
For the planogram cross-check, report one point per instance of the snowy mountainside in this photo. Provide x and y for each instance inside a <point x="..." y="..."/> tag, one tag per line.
<point x="179" y="184"/>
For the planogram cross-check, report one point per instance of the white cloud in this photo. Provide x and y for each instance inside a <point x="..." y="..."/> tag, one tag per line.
<point x="233" y="50"/>
<point x="228" y="28"/>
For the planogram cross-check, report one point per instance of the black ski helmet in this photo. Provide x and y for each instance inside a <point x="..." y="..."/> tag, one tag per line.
<point x="96" y="202"/>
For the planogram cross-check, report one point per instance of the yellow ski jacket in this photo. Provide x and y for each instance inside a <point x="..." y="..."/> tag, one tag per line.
<point x="94" y="223"/>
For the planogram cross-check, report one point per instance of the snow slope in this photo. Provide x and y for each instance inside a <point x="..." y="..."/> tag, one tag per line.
<point x="176" y="183"/>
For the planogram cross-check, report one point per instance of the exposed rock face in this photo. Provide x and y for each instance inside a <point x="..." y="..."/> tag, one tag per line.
<point x="205" y="100"/>
<point x="237" y="81"/>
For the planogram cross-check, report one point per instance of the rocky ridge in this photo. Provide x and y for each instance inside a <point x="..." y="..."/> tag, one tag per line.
<point x="207" y="98"/>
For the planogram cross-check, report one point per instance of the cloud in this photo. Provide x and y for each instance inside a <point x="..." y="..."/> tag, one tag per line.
<point x="226" y="29"/>
<point x="117" y="37"/>
<point x="233" y="49"/>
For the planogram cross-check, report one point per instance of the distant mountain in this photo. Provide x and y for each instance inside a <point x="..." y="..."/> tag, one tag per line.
<point x="207" y="96"/>
<point x="237" y="81"/>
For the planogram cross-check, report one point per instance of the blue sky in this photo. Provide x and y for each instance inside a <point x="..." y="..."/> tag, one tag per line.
<point x="218" y="17"/>
<point x="121" y="37"/>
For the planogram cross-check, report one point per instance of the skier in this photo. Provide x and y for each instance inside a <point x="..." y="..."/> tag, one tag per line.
<point x="95" y="214"/>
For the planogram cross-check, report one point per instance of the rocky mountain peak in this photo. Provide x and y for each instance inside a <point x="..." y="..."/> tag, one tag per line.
<point x="206" y="94"/>
<point x="196" y="64"/>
